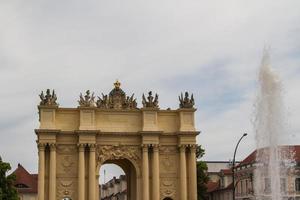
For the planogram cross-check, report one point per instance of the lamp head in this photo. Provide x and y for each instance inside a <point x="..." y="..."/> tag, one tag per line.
<point x="245" y="134"/>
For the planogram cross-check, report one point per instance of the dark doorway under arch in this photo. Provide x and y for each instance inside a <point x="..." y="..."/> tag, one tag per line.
<point x="167" y="198"/>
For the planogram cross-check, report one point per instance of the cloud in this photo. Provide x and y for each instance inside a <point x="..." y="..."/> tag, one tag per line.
<point x="210" y="48"/>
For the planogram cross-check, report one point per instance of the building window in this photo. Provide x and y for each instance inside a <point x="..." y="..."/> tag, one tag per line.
<point x="267" y="185"/>
<point x="297" y="184"/>
<point x="283" y="185"/>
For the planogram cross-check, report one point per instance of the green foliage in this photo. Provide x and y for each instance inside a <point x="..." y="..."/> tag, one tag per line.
<point x="202" y="177"/>
<point x="7" y="190"/>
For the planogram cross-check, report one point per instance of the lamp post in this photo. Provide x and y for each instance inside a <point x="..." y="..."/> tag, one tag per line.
<point x="233" y="165"/>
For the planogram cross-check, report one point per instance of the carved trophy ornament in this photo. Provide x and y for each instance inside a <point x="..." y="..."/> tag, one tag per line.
<point x="110" y="152"/>
<point x="186" y="101"/>
<point x="150" y="102"/>
<point x="117" y="99"/>
<point x="88" y="100"/>
<point x="48" y="99"/>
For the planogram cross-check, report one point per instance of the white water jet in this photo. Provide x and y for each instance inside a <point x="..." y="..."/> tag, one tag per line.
<point x="270" y="127"/>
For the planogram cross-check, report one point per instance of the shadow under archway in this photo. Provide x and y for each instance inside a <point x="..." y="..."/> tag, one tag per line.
<point x="131" y="176"/>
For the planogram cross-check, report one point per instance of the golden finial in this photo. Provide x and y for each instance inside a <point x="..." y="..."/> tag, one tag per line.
<point x="117" y="84"/>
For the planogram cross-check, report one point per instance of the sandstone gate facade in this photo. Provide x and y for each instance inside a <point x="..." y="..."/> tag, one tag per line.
<point x="154" y="147"/>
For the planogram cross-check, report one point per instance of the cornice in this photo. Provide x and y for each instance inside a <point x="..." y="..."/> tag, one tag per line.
<point x="87" y="132"/>
<point x="151" y="133"/>
<point x="188" y="133"/>
<point x="47" y="131"/>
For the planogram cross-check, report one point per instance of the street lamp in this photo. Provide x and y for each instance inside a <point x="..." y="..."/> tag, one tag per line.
<point x="233" y="165"/>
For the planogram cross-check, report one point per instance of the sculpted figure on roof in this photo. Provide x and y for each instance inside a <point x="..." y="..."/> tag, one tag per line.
<point x="48" y="99"/>
<point x="150" y="102"/>
<point x="88" y="100"/>
<point x="186" y="101"/>
<point x="117" y="99"/>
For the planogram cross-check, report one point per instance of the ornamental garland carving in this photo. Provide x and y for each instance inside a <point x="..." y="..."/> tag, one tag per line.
<point x="110" y="152"/>
<point x="168" y="188"/>
<point x="66" y="188"/>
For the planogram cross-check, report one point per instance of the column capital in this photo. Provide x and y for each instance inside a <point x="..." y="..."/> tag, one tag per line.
<point x="145" y="147"/>
<point x="52" y="146"/>
<point x="155" y="147"/>
<point x="182" y="147"/>
<point x="41" y="146"/>
<point x="92" y="147"/>
<point x="193" y="148"/>
<point x="81" y="146"/>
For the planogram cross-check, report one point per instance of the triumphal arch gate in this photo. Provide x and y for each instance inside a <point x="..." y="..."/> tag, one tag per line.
<point x="154" y="147"/>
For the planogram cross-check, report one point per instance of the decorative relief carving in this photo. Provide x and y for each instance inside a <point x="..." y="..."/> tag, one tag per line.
<point x="110" y="152"/>
<point x="67" y="164"/>
<point x="48" y="99"/>
<point x="150" y="102"/>
<point x="66" y="188"/>
<point x="168" y="188"/>
<point x="168" y="149"/>
<point x="186" y="101"/>
<point x="168" y="164"/>
<point x="66" y="149"/>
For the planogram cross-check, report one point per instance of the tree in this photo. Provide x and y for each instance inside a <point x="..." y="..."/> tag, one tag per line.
<point x="202" y="177"/>
<point x="7" y="189"/>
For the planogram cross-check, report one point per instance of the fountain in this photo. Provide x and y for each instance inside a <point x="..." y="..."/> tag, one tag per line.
<point x="273" y="160"/>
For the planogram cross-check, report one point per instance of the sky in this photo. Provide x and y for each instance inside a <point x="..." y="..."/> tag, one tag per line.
<point x="212" y="49"/>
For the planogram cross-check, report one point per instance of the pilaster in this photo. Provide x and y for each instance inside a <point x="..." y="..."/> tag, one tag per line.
<point x="92" y="172"/>
<point x="183" y="177"/>
<point x="145" y="172"/>
<point x="155" y="173"/>
<point x="192" y="173"/>
<point x="41" y="175"/>
<point x="52" y="172"/>
<point x="81" y="171"/>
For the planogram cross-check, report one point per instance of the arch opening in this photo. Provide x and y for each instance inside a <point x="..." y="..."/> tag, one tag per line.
<point x="118" y="181"/>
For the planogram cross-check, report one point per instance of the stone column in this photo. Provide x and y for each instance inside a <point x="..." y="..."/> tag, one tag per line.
<point x="145" y="173"/>
<point x="183" y="182"/>
<point x="155" y="178"/>
<point x="192" y="173"/>
<point x="52" y="173"/>
<point x="97" y="187"/>
<point x="41" y="176"/>
<point x="92" y="172"/>
<point x="81" y="170"/>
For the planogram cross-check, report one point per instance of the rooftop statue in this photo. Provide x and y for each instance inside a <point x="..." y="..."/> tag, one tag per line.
<point x="150" y="102"/>
<point x="87" y="100"/>
<point x="117" y="99"/>
<point x="48" y="99"/>
<point x="186" y="102"/>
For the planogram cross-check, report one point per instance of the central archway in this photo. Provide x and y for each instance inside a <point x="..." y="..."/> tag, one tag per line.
<point x="131" y="175"/>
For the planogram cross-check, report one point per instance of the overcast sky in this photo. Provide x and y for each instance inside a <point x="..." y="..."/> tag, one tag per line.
<point x="210" y="48"/>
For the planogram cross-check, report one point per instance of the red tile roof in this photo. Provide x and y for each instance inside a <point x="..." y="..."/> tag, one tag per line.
<point x="215" y="186"/>
<point x="24" y="178"/>
<point x="212" y="186"/>
<point x="226" y="171"/>
<point x="252" y="157"/>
